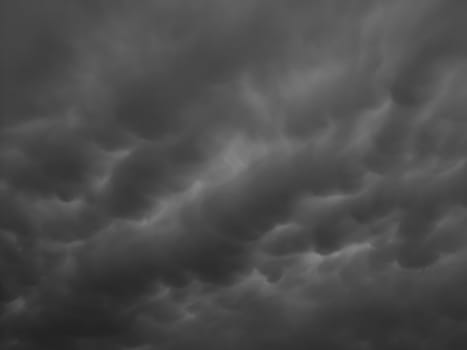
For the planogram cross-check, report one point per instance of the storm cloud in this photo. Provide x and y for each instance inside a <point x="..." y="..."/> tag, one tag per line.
<point x="253" y="174"/>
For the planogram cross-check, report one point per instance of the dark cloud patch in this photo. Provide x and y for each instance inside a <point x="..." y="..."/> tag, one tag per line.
<point x="147" y="172"/>
<point x="236" y="175"/>
<point x="50" y="162"/>
<point x="38" y="42"/>
<point x="216" y="45"/>
<point x="429" y="43"/>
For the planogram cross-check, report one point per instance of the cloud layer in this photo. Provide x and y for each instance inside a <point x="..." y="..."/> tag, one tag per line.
<point x="233" y="175"/>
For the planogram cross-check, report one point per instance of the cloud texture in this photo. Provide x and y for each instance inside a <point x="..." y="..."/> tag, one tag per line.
<point x="252" y="174"/>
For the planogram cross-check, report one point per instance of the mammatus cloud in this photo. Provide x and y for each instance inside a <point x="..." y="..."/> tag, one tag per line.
<point x="233" y="175"/>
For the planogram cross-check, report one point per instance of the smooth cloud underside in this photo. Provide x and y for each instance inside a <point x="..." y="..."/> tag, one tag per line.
<point x="247" y="174"/>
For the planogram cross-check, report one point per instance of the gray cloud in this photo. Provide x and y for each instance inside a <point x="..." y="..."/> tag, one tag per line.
<point x="252" y="174"/>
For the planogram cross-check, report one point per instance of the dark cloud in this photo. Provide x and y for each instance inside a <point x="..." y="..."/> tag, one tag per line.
<point x="233" y="175"/>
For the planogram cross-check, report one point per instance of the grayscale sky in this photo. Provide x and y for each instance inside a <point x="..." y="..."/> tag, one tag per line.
<point x="233" y="175"/>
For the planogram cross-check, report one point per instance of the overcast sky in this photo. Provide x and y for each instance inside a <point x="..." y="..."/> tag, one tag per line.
<point x="233" y="175"/>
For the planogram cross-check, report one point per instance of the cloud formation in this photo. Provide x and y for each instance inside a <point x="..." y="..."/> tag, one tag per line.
<point x="233" y="175"/>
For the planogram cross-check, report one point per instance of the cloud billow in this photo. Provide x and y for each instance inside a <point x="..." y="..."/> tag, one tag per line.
<point x="233" y="175"/>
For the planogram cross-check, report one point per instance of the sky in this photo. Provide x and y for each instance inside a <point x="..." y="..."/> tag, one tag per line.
<point x="248" y="174"/>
